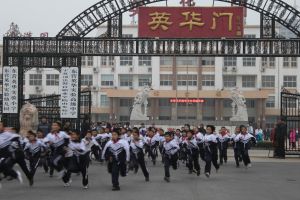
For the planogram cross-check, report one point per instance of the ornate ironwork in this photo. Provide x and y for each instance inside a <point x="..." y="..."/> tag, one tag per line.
<point x="50" y="52"/>
<point x="282" y="12"/>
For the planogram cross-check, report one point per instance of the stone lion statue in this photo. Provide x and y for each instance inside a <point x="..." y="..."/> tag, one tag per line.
<point x="28" y="119"/>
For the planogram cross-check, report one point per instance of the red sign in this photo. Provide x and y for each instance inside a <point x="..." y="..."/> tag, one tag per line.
<point x="186" y="100"/>
<point x="191" y="22"/>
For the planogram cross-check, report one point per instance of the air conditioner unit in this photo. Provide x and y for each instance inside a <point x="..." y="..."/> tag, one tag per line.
<point x="96" y="69"/>
<point x="225" y="69"/>
<point x="150" y="69"/>
<point x="234" y="69"/>
<point x="113" y="69"/>
<point x="39" y="70"/>
<point x="263" y="69"/>
<point x="38" y="88"/>
<point x="130" y="69"/>
<point x="131" y="88"/>
<point x="94" y="88"/>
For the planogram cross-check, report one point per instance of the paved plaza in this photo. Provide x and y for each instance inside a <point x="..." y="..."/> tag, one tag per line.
<point x="267" y="179"/>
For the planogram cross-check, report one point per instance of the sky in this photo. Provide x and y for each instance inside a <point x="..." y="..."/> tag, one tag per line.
<point x="51" y="16"/>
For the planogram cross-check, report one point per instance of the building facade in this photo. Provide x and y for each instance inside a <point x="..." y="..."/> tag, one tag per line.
<point x="114" y="82"/>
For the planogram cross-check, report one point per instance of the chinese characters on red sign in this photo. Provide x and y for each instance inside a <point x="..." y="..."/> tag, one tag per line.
<point x="191" y="22"/>
<point x="186" y="100"/>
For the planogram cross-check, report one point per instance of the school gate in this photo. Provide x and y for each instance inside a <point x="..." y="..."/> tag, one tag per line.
<point x="67" y="48"/>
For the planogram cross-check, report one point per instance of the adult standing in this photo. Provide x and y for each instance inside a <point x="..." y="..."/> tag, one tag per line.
<point x="279" y="139"/>
<point x="44" y="126"/>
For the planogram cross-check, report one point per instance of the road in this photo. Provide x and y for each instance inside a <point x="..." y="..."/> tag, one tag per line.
<point x="265" y="180"/>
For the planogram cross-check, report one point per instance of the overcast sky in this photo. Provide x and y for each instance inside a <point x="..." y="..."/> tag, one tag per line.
<point x="51" y="16"/>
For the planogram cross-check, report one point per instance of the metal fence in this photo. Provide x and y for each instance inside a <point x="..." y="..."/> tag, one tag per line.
<point x="290" y="113"/>
<point x="49" y="106"/>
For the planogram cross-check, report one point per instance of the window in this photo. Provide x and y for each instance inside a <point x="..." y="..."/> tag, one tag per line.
<point x="111" y="60"/>
<point x="35" y="79"/>
<point x="126" y="102"/>
<point x="34" y="96"/>
<point x="52" y="79"/>
<point x="145" y="80"/>
<point x="1" y="79"/>
<point x="229" y="81"/>
<point x="127" y="35"/>
<point x="249" y="36"/>
<point x="126" y="60"/>
<point x="90" y="61"/>
<point x="227" y="103"/>
<point x="164" y="102"/>
<point x="86" y="80"/>
<point x="103" y="60"/>
<point x="230" y="61"/>
<point x="249" y="62"/>
<point x="268" y="81"/>
<point x="84" y="101"/>
<point x="249" y="81"/>
<point x="268" y="62"/>
<point x="270" y="103"/>
<point x="107" y="60"/>
<point x="208" y="80"/>
<point x="209" y="103"/>
<point x="250" y="103"/>
<point x="208" y="61"/>
<point x="0" y="60"/>
<point x="166" y="61"/>
<point x="145" y="60"/>
<point x="124" y="118"/>
<point x="184" y="80"/>
<point x="104" y="101"/>
<point x="83" y="60"/>
<point x="164" y="118"/>
<point x="107" y="80"/>
<point x="166" y="79"/>
<point x="186" y="61"/>
<point x="290" y="81"/>
<point x="126" y="80"/>
<point x="290" y="62"/>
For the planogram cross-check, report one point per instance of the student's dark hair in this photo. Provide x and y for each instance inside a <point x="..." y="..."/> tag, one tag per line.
<point x="242" y="126"/>
<point x="40" y="130"/>
<point x="31" y="133"/>
<point x="135" y="129"/>
<point x="190" y="131"/>
<point x="223" y="127"/>
<point x="58" y="123"/>
<point x="77" y="132"/>
<point x="117" y="130"/>
<point x="213" y="128"/>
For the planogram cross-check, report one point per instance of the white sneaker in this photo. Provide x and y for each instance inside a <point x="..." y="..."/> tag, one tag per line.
<point x="68" y="184"/>
<point x="207" y="174"/>
<point x="86" y="187"/>
<point x="19" y="177"/>
<point x="249" y="165"/>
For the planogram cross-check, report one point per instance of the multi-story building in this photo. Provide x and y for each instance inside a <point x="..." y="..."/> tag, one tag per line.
<point x="114" y="82"/>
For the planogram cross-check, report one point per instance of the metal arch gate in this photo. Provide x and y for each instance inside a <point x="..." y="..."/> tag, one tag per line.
<point x="290" y="114"/>
<point x="69" y="45"/>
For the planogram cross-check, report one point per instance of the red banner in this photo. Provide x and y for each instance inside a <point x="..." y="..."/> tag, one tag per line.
<point x="187" y="101"/>
<point x="191" y="22"/>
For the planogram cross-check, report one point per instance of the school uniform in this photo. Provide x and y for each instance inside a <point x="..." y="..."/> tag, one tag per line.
<point x="200" y="141"/>
<point x="11" y="152"/>
<point x="77" y="162"/>
<point x="170" y="150"/>
<point x="223" y="140"/>
<point x="57" y="143"/>
<point x="244" y="141"/>
<point x="236" y="149"/>
<point x="117" y="153"/>
<point x="33" y="151"/>
<point x="137" y="157"/>
<point x="211" y="152"/>
<point x="192" y="151"/>
<point x="151" y="144"/>
<point x="93" y="147"/>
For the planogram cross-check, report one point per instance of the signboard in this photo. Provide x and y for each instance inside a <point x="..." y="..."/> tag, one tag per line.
<point x="191" y="22"/>
<point x="69" y="92"/>
<point x="10" y="89"/>
<point x="187" y="101"/>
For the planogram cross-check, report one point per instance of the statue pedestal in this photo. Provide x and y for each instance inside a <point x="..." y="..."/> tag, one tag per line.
<point x="137" y="114"/>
